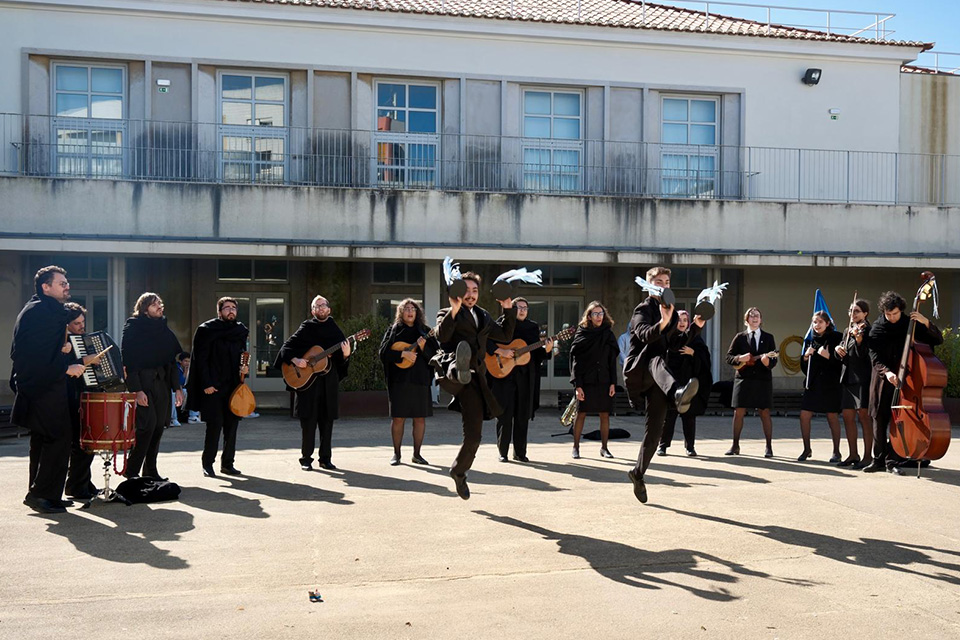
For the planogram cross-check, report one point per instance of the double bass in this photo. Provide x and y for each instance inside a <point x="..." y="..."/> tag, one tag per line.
<point x="919" y="425"/>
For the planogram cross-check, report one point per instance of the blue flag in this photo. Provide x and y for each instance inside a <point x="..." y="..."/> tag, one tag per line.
<point x="819" y="304"/>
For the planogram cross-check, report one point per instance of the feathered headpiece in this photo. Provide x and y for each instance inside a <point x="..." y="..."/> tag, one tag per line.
<point x="531" y="277"/>
<point x="712" y="294"/>
<point x="451" y="270"/>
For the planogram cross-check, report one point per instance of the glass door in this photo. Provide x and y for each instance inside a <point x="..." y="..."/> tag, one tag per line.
<point x="265" y="314"/>
<point x="98" y="309"/>
<point x="554" y="314"/>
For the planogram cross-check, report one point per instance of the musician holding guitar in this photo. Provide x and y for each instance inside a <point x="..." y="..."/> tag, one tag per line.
<point x="752" y="353"/>
<point x="317" y="400"/>
<point x="514" y="370"/>
<point x="406" y="350"/>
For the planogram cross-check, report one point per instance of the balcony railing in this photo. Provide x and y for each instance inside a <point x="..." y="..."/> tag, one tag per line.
<point x="140" y="150"/>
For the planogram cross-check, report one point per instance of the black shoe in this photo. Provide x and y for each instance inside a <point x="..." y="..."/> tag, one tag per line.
<point x="691" y="453"/>
<point x="306" y="466"/>
<point x="835" y="458"/>
<point x="895" y="470"/>
<point x="502" y="458"/>
<point x="860" y="465"/>
<point x="208" y="471"/>
<point x="733" y="451"/>
<point x="42" y="505"/>
<point x="639" y="488"/>
<point x="520" y="458"/>
<point x="418" y="459"/>
<point x="461" y="483"/>
<point x="329" y="466"/>
<point x="875" y="466"/>
<point x="464" y="355"/>
<point x="803" y="456"/>
<point x="394" y="459"/>
<point x="662" y="450"/>
<point x="82" y="496"/>
<point x="852" y="461"/>
<point x="230" y="471"/>
<point x="684" y="395"/>
<point x="768" y="453"/>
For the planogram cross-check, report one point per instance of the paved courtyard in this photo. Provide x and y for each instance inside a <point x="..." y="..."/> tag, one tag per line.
<point x="727" y="547"/>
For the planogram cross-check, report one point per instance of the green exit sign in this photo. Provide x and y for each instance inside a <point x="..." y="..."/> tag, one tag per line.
<point x="167" y="89"/>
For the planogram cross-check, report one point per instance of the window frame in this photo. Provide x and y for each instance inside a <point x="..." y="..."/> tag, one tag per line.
<point x="405" y="139"/>
<point x="253" y="131"/>
<point x="552" y="145"/>
<point x="253" y="279"/>
<point x="691" y="184"/>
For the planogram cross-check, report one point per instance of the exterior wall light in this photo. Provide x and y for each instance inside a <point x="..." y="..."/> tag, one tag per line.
<point x="811" y="77"/>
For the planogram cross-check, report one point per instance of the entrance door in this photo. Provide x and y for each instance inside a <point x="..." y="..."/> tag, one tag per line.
<point x="554" y="314"/>
<point x="98" y="309"/>
<point x="265" y="314"/>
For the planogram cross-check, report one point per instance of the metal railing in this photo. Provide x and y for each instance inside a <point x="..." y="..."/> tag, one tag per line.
<point x="940" y="61"/>
<point x="193" y="152"/>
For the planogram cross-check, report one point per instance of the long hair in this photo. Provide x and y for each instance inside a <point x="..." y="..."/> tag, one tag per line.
<point x="748" y="312"/>
<point x="823" y="315"/>
<point x="418" y="321"/>
<point x="863" y="305"/>
<point x="144" y="301"/>
<point x="585" y="320"/>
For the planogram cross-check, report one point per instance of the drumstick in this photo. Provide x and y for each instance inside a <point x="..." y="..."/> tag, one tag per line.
<point x="99" y="355"/>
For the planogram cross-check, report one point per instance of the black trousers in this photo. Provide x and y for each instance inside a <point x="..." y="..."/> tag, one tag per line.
<point x="316" y="416"/>
<point x="513" y="422"/>
<point x="655" y="386"/>
<point x="150" y="423"/>
<point x="79" y="478"/>
<point x="689" y="423"/>
<point x="471" y="414"/>
<point x="48" y="419"/>
<point x="215" y="411"/>
<point x="882" y="450"/>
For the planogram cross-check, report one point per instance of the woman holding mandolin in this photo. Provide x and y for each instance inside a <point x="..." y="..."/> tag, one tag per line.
<point x="752" y="354"/>
<point x="822" y="391"/>
<point x="405" y="352"/>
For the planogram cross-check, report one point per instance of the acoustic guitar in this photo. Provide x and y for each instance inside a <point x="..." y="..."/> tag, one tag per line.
<point x="406" y="346"/>
<point x="755" y="359"/>
<point x="500" y="367"/>
<point x="318" y="363"/>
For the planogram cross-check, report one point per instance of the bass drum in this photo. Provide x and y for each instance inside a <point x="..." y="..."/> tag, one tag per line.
<point x="107" y="421"/>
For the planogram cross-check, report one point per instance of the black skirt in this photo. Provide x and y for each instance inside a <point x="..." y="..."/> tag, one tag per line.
<point x="855" y="396"/>
<point x="752" y="394"/>
<point x="409" y="400"/>
<point x="596" y="399"/>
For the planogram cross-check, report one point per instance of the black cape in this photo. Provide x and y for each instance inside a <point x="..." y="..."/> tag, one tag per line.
<point x="523" y="380"/>
<point x="148" y="343"/>
<point x="420" y="372"/>
<point x="594" y="352"/>
<point x="215" y="361"/>
<point x="324" y="334"/>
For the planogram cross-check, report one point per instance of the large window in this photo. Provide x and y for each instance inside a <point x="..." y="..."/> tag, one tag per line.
<point x="553" y="145"/>
<point x="407" y="139"/>
<point x="253" y="127"/>
<point x="689" y="146"/>
<point x="88" y="127"/>
<point x="231" y="270"/>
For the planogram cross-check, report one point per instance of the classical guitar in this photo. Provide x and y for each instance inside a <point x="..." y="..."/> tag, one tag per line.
<point x="406" y="346"/>
<point x="500" y="367"/>
<point x="755" y="359"/>
<point x="318" y="363"/>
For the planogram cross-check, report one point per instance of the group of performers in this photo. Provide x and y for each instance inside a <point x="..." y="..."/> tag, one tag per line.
<point x="666" y="368"/>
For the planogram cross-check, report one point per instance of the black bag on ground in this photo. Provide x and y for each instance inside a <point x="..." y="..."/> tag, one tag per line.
<point x="143" y="490"/>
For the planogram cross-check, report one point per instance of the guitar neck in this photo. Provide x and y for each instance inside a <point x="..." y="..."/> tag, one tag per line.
<point x="326" y="352"/>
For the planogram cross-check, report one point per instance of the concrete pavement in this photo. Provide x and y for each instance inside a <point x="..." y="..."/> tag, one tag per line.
<point x="728" y="547"/>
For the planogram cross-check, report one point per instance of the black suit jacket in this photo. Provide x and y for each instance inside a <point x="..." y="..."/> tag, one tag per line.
<point x="741" y="345"/>
<point x="648" y="342"/>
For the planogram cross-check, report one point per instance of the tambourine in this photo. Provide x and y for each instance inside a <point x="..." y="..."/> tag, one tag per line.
<point x="457" y="289"/>
<point x="705" y="309"/>
<point x="502" y="290"/>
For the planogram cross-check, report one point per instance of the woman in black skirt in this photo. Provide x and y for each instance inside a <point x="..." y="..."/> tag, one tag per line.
<point x="692" y="360"/>
<point x="855" y="384"/>
<point x="753" y="354"/>
<point x="408" y="388"/>
<point x="593" y="356"/>
<point x="822" y="384"/>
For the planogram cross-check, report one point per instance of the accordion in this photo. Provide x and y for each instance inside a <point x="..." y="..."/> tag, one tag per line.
<point x="106" y="376"/>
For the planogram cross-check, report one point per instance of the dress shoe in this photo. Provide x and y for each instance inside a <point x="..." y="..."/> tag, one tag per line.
<point x="605" y="453"/>
<point x="852" y="461"/>
<point x="502" y="458"/>
<point x="461" y="484"/>
<point x="684" y="395"/>
<point x="329" y="466"/>
<point x="866" y="462"/>
<point x="520" y="458"/>
<point x="83" y="497"/>
<point x="639" y="488"/>
<point x="576" y="453"/>
<point x="42" y="505"/>
<point x="803" y="456"/>
<point x="306" y="467"/>
<point x="875" y="466"/>
<point x="66" y="503"/>
<point x="463" y="362"/>
<point x="768" y="453"/>
<point x="733" y="451"/>
<point x="208" y="471"/>
<point x="418" y="459"/>
<point x="662" y="450"/>
<point x="230" y="471"/>
<point x="895" y="470"/>
<point x="835" y="458"/>
<point x="691" y="453"/>
<point x="394" y="459"/>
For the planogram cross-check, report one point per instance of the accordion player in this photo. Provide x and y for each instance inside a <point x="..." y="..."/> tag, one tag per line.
<point x="108" y="374"/>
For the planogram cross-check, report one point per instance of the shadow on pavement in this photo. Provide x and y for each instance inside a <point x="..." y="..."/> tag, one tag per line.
<point x="865" y="552"/>
<point x="646" y="569"/>
<point x="222" y="502"/>
<point x="282" y="490"/>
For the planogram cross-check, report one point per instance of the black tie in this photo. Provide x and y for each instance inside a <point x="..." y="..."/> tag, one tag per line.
<point x="756" y="343"/>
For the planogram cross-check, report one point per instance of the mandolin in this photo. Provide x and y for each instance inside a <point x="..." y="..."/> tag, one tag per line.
<point x="754" y="359"/>
<point x="500" y="367"/>
<point x="406" y="346"/>
<point x="318" y="363"/>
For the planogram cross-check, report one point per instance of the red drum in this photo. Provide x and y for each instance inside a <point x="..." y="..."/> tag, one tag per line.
<point x="107" y="421"/>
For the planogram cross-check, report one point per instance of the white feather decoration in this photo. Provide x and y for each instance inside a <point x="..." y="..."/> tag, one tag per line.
<point x="451" y="270"/>
<point x="531" y="277"/>
<point x="649" y="287"/>
<point x="712" y="294"/>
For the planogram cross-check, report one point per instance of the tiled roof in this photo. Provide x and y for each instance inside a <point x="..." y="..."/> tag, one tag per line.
<point x="910" y="68"/>
<point x="630" y="14"/>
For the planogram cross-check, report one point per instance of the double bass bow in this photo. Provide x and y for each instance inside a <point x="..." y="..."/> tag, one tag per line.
<point x="919" y="425"/>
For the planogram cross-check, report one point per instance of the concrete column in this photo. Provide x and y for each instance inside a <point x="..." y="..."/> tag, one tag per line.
<point x="712" y="337"/>
<point x="432" y="276"/>
<point x="117" y="291"/>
